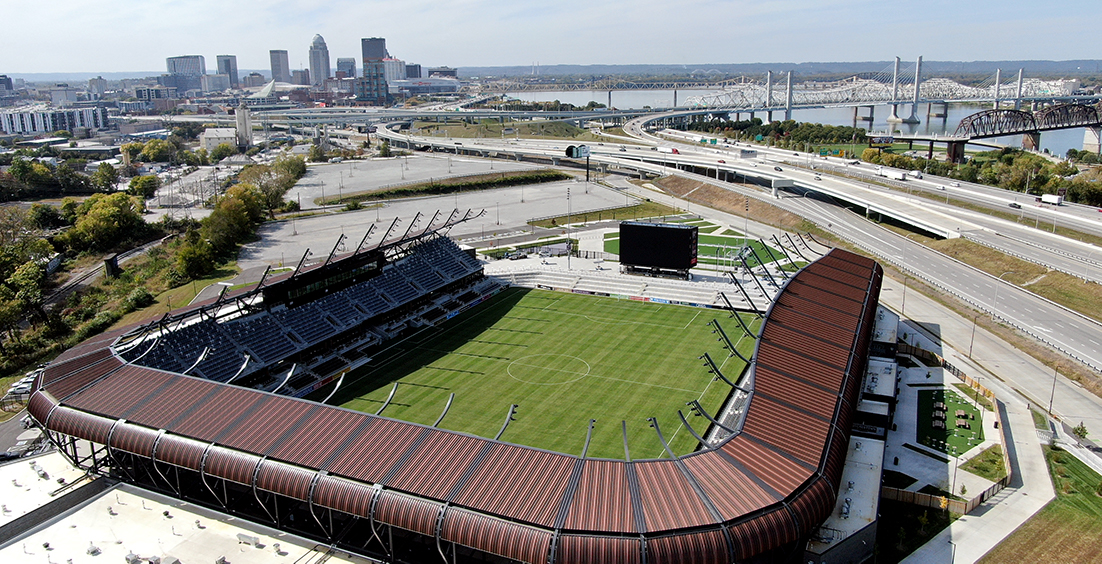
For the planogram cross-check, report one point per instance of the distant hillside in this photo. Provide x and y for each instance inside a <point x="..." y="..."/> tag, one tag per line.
<point x="1032" y="68"/>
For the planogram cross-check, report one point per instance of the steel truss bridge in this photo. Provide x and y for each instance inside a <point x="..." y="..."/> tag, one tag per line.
<point x="997" y="123"/>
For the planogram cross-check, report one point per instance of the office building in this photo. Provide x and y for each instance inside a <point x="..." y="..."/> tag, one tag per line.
<point x="63" y="96"/>
<point x="372" y="88"/>
<point x="374" y="48"/>
<point x="147" y="93"/>
<point x="6" y="84"/>
<point x="413" y="71"/>
<point x="97" y="87"/>
<point x="187" y="65"/>
<point x="214" y="82"/>
<point x="319" y="61"/>
<point x="347" y="66"/>
<point x="444" y="72"/>
<point x="212" y="137"/>
<point x="394" y="69"/>
<point x="281" y="66"/>
<point x="301" y="77"/>
<point x="244" y="126"/>
<point x="39" y="119"/>
<point x="227" y="65"/>
<point x="254" y="79"/>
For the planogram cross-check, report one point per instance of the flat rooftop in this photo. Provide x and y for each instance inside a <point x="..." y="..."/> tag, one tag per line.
<point x="125" y="520"/>
<point x="880" y="378"/>
<point x="886" y="325"/>
<point x="859" y="490"/>
<point x="23" y="489"/>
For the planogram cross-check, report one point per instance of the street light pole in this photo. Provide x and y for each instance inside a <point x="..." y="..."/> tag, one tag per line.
<point x="972" y="341"/>
<point x="1052" y="395"/>
<point x="995" y="300"/>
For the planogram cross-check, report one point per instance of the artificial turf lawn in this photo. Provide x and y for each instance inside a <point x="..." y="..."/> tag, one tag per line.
<point x="563" y="359"/>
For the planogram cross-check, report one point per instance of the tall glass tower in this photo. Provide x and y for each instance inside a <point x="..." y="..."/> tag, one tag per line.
<point x="319" y="61"/>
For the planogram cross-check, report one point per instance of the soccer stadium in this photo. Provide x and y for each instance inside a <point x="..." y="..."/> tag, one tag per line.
<point x="396" y="401"/>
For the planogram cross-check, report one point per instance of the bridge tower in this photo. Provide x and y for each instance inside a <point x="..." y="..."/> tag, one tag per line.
<point x="998" y="87"/>
<point x="894" y="117"/>
<point x="768" y="96"/>
<point x="1092" y="139"/>
<point x="788" y="98"/>
<point x="1018" y="95"/>
<point x="918" y="86"/>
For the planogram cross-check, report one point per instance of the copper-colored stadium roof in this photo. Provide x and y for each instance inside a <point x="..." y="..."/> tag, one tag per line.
<point x="765" y="486"/>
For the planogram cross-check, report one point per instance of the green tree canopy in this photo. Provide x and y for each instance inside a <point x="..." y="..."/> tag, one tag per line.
<point x="144" y="187"/>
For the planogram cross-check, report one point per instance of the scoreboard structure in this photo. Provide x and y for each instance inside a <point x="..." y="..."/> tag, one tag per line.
<point x="658" y="249"/>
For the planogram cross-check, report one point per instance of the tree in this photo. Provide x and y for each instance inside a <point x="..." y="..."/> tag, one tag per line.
<point x="222" y="151"/>
<point x="105" y="177"/>
<point x="27" y="283"/>
<point x="157" y="151"/>
<point x="144" y="187"/>
<point x="316" y="155"/>
<point x="44" y="216"/>
<point x="102" y="221"/>
<point x="1080" y="430"/>
<point x="384" y="149"/>
<point x="132" y="150"/>
<point x="195" y="257"/>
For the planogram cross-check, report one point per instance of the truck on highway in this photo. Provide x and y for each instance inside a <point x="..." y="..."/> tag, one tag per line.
<point x="669" y="150"/>
<point x="1053" y="199"/>
<point x="889" y="173"/>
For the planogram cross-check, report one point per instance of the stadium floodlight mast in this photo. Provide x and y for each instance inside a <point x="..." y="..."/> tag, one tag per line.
<point x="795" y="247"/>
<point x="654" y="425"/>
<point x="508" y="417"/>
<point x="588" y="437"/>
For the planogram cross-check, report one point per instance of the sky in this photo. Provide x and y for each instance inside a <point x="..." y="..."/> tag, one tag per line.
<point x="129" y="36"/>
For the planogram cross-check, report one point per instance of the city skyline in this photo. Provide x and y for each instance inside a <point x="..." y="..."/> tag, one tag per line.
<point x="494" y="33"/>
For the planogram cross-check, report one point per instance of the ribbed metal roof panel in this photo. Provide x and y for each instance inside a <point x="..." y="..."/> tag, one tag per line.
<point x="285" y="479"/>
<point x="60" y="368"/>
<point x="407" y="512"/>
<point x="134" y="439"/>
<point x="264" y="428"/>
<point x="804" y="364"/>
<point x="504" y="538"/>
<point x="732" y="492"/>
<point x="704" y="547"/>
<point x="762" y="532"/>
<point x="66" y="384"/>
<point x="789" y="430"/>
<point x="602" y="501"/>
<point x="233" y="465"/>
<point x="176" y="398"/>
<point x="814" y="505"/>
<point x="669" y="501"/>
<point x="217" y="412"/>
<point x="40" y="405"/>
<point x="811" y="326"/>
<point x="771" y="383"/>
<point x="437" y="464"/>
<point x="831" y="353"/>
<point x="581" y="549"/>
<point x="81" y="424"/>
<point x="347" y="496"/>
<point x="118" y="393"/>
<point x="842" y="292"/>
<point x="368" y="457"/>
<point x="780" y="473"/>
<point x="313" y="442"/>
<point x="815" y="304"/>
<point x="519" y="483"/>
<point x="181" y="451"/>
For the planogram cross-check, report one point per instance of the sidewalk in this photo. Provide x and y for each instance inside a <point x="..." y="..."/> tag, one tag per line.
<point x="1030" y="489"/>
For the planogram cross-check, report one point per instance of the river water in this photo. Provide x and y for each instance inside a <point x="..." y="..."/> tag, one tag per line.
<point x="1057" y="142"/>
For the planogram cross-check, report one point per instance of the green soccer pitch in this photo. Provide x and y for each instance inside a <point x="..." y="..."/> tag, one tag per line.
<point x="563" y="359"/>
